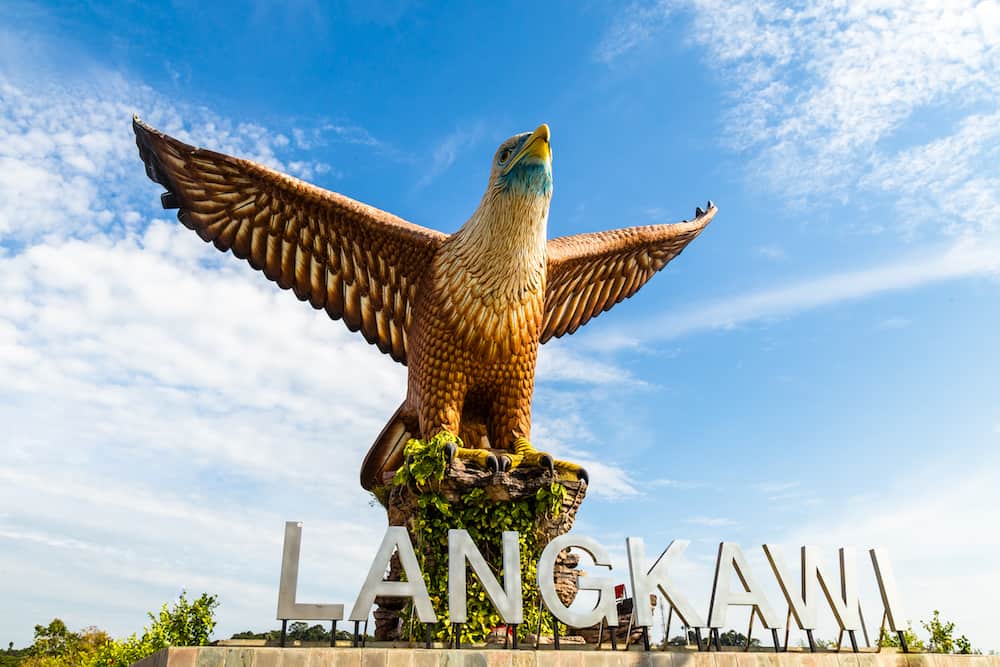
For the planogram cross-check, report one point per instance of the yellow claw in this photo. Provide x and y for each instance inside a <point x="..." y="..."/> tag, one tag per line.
<point x="525" y="454"/>
<point x="481" y="457"/>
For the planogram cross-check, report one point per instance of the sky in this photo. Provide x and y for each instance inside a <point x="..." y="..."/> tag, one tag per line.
<point x="819" y="367"/>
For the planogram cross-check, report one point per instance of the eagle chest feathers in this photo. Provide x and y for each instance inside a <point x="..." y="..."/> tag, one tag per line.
<point x="484" y="303"/>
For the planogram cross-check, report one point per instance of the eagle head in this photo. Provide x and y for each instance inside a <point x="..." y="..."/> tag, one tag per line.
<point x="522" y="165"/>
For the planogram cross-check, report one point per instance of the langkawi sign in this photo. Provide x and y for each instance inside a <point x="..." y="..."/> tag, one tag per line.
<point x="800" y="589"/>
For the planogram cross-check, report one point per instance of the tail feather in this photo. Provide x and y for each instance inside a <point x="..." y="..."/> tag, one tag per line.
<point x="386" y="454"/>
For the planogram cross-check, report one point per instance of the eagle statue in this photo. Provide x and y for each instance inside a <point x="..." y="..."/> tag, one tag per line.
<point x="464" y="312"/>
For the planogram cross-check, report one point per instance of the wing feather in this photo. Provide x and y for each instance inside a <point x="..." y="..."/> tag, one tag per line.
<point x="589" y="273"/>
<point x="358" y="263"/>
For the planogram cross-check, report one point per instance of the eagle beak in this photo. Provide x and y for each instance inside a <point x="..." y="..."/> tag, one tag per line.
<point x="536" y="146"/>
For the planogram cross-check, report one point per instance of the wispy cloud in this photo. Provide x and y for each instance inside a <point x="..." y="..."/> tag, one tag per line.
<point x="819" y="94"/>
<point x="558" y="364"/>
<point x="674" y="484"/>
<point x="134" y="357"/>
<point x="776" y="487"/>
<point x="956" y="497"/>
<point x="772" y="252"/>
<point x="448" y="150"/>
<point x="566" y="435"/>
<point x="893" y="323"/>
<point x="710" y="521"/>
<point x="632" y="27"/>
<point x="960" y="260"/>
<point x="821" y="90"/>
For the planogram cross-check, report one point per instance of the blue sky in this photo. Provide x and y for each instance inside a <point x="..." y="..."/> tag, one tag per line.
<point x="819" y="367"/>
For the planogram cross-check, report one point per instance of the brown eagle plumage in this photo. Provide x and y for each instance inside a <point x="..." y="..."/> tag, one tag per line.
<point x="466" y="312"/>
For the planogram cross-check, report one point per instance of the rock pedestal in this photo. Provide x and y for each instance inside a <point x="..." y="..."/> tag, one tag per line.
<point x="624" y="631"/>
<point x="520" y="484"/>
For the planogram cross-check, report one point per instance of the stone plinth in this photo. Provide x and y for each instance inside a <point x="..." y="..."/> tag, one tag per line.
<point x="224" y="656"/>
<point x="517" y="484"/>
<point x="460" y="479"/>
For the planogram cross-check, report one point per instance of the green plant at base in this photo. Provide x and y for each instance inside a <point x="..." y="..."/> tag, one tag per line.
<point x="427" y="460"/>
<point x="184" y="624"/>
<point x="940" y="633"/>
<point x="485" y="520"/>
<point x="56" y="646"/>
<point x="913" y="643"/>
<point x="964" y="646"/>
<point x="941" y="638"/>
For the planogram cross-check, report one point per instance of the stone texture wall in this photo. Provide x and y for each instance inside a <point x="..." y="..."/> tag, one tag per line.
<point x="222" y="656"/>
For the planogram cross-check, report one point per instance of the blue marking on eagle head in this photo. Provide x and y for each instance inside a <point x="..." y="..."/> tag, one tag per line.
<point x="530" y="175"/>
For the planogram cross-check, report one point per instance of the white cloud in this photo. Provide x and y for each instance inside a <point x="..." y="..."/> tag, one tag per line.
<point x="68" y="161"/>
<point x="776" y="487"/>
<point x="710" y="521"/>
<point x="448" y="150"/>
<point x="634" y="26"/>
<point x="822" y="90"/>
<point x="963" y="259"/>
<point x="561" y="430"/>
<point x="166" y="408"/>
<point x="951" y="182"/>
<point x="772" y="252"/>
<point x="827" y="98"/>
<point x="890" y="323"/>
<point x="557" y="364"/>
<point x="675" y="484"/>
<point x="933" y="522"/>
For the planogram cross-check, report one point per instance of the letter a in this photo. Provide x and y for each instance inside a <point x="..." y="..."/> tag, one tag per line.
<point x="731" y="559"/>
<point x="398" y="540"/>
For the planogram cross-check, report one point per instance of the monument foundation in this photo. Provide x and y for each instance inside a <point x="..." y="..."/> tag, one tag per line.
<point x="539" y="505"/>
<point x="226" y="656"/>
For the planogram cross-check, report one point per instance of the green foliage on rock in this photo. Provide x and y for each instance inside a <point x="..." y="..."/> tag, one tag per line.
<point x="428" y="462"/>
<point x="485" y="519"/>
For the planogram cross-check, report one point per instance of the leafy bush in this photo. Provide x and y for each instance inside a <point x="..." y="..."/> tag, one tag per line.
<point x="913" y="642"/>
<point x="184" y="624"/>
<point x="56" y="646"/>
<point x="941" y="638"/>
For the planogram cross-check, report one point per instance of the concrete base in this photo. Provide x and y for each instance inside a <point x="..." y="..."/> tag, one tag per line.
<point x="232" y="656"/>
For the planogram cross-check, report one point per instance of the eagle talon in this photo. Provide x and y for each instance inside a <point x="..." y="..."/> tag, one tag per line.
<point x="504" y="461"/>
<point x="449" y="451"/>
<point x="583" y="475"/>
<point x="492" y="464"/>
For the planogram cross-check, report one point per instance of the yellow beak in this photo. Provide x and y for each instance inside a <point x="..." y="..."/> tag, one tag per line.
<point x="537" y="145"/>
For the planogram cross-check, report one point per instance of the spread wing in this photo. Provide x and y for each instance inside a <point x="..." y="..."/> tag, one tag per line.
<point x="358" y="263"/>
<point x="589" y="273"/>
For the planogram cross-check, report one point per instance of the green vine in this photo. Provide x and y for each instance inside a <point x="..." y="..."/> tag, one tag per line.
<point x="485" y="519"/>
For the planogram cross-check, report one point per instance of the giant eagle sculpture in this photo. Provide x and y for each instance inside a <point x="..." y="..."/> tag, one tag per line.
<point x="464" y="312"/>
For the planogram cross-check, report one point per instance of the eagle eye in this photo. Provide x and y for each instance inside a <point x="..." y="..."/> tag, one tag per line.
<point x="505" y="155"/>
